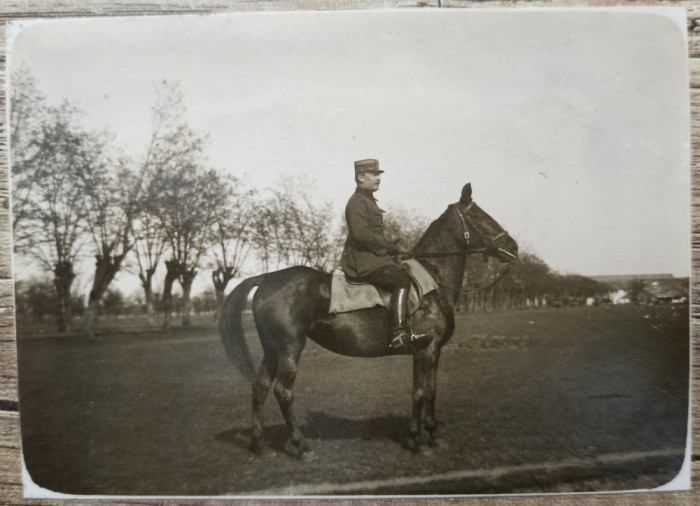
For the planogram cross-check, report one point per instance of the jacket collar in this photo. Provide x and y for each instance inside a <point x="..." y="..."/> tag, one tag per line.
<point x="366" y="193"/>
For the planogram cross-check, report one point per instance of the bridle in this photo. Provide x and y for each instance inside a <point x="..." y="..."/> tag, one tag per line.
<point x="489" y="241"/>
<point x="484" y="238"/>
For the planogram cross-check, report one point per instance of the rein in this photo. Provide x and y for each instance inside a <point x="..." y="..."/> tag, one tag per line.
<point x="470" y="251"/>
<point x="459" y="290"/>
<point x="450" y="253"/>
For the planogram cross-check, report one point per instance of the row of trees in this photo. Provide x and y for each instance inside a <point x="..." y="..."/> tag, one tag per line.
<point x="530" y="283"/>
<point x="35" y="302"/>
<point x="76" y="194"/>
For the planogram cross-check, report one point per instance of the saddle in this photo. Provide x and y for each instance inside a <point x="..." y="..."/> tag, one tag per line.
<point x="351" y="296"/>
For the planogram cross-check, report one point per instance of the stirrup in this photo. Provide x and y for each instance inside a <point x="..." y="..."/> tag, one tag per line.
<point x="403" y="337"/>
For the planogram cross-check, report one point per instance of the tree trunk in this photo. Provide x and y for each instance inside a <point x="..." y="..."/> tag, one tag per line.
<point x="188" y="276"/>
<point x="172" y="273"/>
<point x="147" y="285"/>
<point x="221" y="277"/>
<point x="63" y="279"/>
<point x="90" y="318"/>
<point x="106" y="267"/>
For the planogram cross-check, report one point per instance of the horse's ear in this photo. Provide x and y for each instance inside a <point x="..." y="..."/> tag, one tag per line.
<point x="466" y="194"/>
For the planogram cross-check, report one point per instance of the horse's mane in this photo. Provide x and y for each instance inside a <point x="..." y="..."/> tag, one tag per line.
<point x="431" y="234"/>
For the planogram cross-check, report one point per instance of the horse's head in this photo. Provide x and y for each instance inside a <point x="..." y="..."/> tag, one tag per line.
<point x="480" y="231"/>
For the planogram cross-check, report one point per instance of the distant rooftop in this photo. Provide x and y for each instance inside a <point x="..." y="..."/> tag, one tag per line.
<point x="630" y="277"/>
<point x="623" y="281"/>
<point x="668" y="288"/>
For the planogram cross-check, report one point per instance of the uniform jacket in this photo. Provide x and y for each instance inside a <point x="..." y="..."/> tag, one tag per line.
<point x="366" y="248"/>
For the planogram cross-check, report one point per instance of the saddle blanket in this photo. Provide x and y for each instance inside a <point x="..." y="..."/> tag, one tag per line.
<point x="351" y="297"/>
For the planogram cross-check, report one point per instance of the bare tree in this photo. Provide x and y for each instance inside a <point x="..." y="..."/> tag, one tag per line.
<point x="405" y="225"/>
<point x="231" y="233"/>
<point x="29" y="151"/>
<point x="113" y="199"/>
<point x="171" y="144"/>
<point x="173" y="153"/>
<point x="187" y="203"/>
<point x="150" y="245"/>
<point x="57" y="218"/>
<point x="292" y="229"/>
<point x="263" y="238"/>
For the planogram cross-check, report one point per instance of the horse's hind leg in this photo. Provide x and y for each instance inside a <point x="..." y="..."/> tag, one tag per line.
<point x="261" y="388"/>
<point x="287" y="366"/>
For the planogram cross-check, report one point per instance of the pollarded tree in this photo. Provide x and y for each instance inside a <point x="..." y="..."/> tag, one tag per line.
<point x="186" y="203"/>
<point x="56" y="223"/>
<point x="174" y="150"/>
<point x="170" y="145"/>
<point x="114" y="197"/>
<point x="121" y="211"/>
<point x="232" y="230"/>
<point x="150" y="245"/>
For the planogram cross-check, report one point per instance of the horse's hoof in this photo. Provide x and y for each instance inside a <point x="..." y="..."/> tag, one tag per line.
<point x="299" y="450"/>
<point x="438" y="443"/>
<point x="291" y="449"/>
<point x="266" y="452"/>
<point x="425" y="451"/>
<point x="262" y="450"/>
<point x="308" y="456"/>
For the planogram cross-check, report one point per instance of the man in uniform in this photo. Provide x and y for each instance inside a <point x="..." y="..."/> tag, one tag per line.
<point x="368" y="255"/>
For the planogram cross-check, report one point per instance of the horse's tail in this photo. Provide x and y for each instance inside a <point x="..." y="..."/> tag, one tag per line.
<point x="231" y="326"/>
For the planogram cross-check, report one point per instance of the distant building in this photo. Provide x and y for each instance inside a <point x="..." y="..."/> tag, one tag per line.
<point x="623" y="281"/>
<point x="619" y="297"/>
<point x="656" y="288"/>
<point x="673" y="290"/>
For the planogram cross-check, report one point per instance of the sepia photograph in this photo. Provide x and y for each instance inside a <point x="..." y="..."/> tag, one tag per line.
<point x="361" y="253"/>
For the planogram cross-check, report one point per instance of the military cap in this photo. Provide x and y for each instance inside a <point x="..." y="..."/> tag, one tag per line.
<point x="369" y="165"/>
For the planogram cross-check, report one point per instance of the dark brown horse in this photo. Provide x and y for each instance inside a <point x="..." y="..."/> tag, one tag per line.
<point x="292" y="304"/>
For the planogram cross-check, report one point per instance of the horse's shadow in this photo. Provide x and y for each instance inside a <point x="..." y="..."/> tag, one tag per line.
<point x="321" y="425"/>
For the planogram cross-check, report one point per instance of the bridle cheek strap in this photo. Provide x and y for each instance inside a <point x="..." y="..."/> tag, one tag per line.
<point x="465" y="228"/>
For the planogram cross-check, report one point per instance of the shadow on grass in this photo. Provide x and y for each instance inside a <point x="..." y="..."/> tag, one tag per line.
<point x="324" y="426"/>
<point x="274" y="436"/>
<point x="320" y="425"/>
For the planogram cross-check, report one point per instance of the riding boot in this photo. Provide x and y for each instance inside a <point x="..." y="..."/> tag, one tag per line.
<point x="402" y="335"/>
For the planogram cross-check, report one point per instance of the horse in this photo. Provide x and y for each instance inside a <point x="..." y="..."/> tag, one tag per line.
<point x="293" y="304"/>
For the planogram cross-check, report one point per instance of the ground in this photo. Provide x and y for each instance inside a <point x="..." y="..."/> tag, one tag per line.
<point x="547" y="400"/>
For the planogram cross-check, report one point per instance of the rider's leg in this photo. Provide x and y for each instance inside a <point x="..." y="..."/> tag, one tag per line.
<point x="399" y="308"/>
<point x="393" y="277"/>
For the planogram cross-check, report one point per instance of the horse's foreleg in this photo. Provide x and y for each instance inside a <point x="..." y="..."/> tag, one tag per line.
<point x="430" y="422"/>
<point x="422" y="372"/>
<point x="284" y="391"/>
<point x="261" y="388"/>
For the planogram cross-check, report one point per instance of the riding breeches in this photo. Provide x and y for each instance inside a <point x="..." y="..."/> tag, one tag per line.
<point x="389" y="277"/>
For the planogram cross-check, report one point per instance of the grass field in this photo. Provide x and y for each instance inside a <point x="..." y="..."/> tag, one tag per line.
<point x="571" y="399"/>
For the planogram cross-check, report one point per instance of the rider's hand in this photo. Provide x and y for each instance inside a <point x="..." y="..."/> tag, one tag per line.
<point x="394" y="248"/>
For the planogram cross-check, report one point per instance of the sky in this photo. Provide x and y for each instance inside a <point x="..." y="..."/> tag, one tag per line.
<point x="571" y="125"/>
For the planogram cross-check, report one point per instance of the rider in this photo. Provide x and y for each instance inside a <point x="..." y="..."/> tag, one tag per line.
<point x="368" y="255"/>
